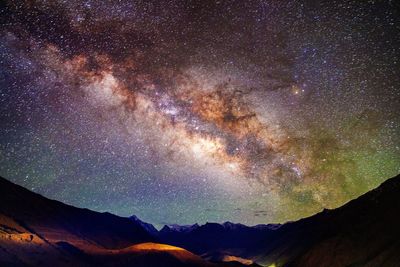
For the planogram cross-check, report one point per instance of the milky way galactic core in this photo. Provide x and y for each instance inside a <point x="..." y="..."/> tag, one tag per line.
<point x="195" y="111"/>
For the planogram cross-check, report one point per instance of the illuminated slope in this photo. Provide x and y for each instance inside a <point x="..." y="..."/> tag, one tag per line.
<point x="36" y="231"/>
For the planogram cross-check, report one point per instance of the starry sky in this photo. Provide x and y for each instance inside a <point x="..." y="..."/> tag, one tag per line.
<point x="192" y="111"/>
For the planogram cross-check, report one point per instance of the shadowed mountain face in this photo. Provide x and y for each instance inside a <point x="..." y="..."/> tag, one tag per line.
<point x="147" y="226"/>
<point x="36" y="231"/>
<point x="206" y="239"/>
<point x="364" y="232"/>
<point x="56" y="221"/>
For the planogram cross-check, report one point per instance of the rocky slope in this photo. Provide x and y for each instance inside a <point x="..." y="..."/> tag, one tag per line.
<point x="36" y="231"/>
<point x="363" y="232"/>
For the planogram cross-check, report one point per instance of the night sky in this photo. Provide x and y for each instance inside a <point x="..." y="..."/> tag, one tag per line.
<point x="194" y="111"/>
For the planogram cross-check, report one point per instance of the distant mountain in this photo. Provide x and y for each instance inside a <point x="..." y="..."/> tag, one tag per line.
<point x="175" y="228"/>
<point x="363" y="232"/>
<point x="214" y="238"/>
<point x="147" y="226"/>
<point x="36" y="231"/>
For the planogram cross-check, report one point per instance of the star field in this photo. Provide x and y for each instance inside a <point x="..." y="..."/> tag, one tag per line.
<point x="195" y="111"/>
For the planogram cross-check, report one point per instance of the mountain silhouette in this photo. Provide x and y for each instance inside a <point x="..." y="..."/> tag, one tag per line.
<point x="36" y="231"/>
<point x="363" y="232"/>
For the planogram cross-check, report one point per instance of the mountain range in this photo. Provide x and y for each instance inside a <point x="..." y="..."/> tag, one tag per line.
<point x="36" y="231"/>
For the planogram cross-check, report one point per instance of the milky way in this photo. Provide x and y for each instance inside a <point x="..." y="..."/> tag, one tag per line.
<point x="195" y="111"/>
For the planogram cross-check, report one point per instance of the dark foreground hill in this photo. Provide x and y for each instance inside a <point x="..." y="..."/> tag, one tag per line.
<point x="36" y="231"/>
<point x="363" y="232"/>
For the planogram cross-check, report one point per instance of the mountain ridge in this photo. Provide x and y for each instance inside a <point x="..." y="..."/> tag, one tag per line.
<point x="37" y="231"/>
<point x="269" y="244"/>
<point x="362" y="232"/>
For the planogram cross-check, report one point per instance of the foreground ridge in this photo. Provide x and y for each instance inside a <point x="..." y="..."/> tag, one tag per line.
<point x="36" y="231"/>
